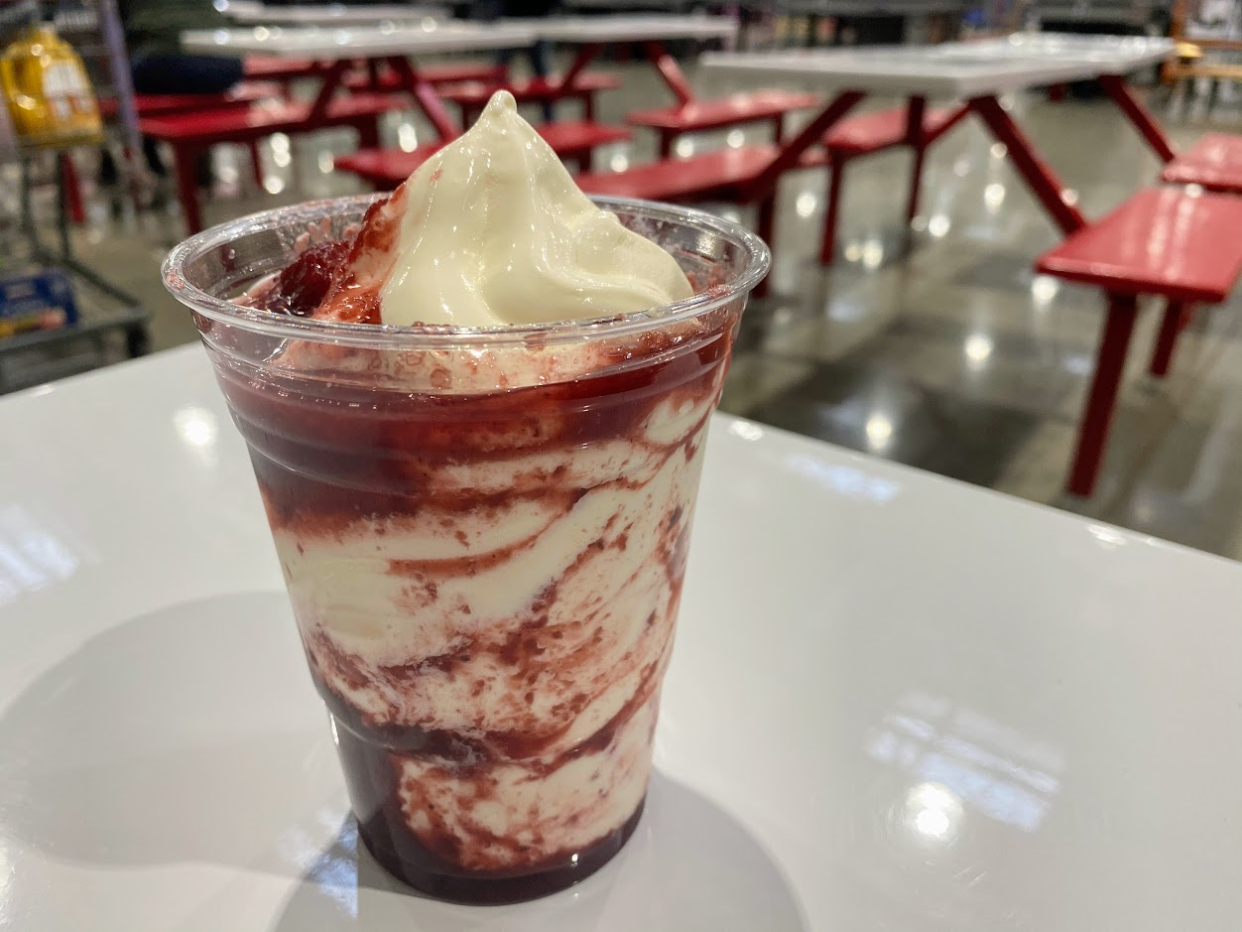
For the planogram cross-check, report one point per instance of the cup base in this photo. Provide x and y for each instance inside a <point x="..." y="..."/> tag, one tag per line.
<point x="496" y="890"/>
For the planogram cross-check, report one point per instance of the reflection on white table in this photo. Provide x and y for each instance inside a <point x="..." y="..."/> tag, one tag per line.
<point x="328" y="14"/>
<point x="954" y="69"/>
<point x="629" y="28"/>
<point x="328" y="44"/>
<point x="896" y="702"/>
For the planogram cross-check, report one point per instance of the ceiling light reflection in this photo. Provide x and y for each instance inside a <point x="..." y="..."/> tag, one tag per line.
<point x="1043" y="289"/>
<point x="197" y="426"/>
<point x="993" y="197"/>
<point x="934" y="812"/>
<point x="962" y="758"/>
<point x="978" y="348"/>
<point x="872" y="254"/>
<point x="879" y="431"/>
<point x="32" y="556"/>
<point x="849" y="481"/>
<point x="407" y="138"/>
<point x="746" y="430"/>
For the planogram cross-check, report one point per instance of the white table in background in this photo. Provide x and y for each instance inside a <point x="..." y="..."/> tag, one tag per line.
<point x="953" y="69"/>
<point x="592" y="34"/>
<point x="896" y="702"/>
<point x="341" y="47"/>
<point x="350" y="42"/>
<point x="333" y="14"/>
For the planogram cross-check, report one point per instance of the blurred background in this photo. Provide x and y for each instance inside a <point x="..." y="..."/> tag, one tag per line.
<point x="933" y="342"/>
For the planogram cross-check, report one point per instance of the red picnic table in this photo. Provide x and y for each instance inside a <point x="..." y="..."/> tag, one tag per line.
<point x="979" y="73"/>
<point x="339" y="50"/>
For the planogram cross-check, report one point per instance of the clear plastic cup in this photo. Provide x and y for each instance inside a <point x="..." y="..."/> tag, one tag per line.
<point x="483" y="533"/>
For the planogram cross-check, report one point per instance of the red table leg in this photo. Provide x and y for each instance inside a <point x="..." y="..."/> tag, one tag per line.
<point x="425" y="95"/>
<point x="916" y="140"/>
<point x="332" y="77"/>
<point x="586" y="55"/>
<point x="1102" y="399"/>
<point x="1175" y="315"/>
<point x="72" y="185"/>
<point x="670" y="71"/>
<point x="184" y="158"/>
<point x="256" y="161"/>
<point x="1143" y="121"/>
<point x="791" y="151"/>
<point x="828" y="243"/>
<point x="1038" y="176"/>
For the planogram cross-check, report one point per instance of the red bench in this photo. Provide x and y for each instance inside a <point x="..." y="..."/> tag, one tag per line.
<point x="238" y="98"/>
<point x="280" y="69"/>
<point x="472" y="96"/>
<point x="868" y="133"/>
<point x="1214" y="162"/>
<point x="703" y="115"/>
<point x="724" y="174"/>
<point x="386" y="168"/>
<point x="1165" y="242"/>
<point x="193" y="133"/>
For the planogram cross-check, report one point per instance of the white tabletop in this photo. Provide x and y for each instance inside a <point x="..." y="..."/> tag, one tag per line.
<point x="629" y="28"/>
<point x="354" y="41"/>
<point x="896" y="702"/>
<point x="954" y="69"/>
<point x="329" y="14"/>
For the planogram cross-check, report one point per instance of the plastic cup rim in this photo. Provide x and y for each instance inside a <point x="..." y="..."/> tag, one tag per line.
<point x="391" y="336"/>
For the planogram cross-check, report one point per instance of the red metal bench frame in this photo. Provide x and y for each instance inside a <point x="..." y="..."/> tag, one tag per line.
<point x="1198" y="262"/>
<point x="191" y="134"/>
<point x="573" y="141"/>
<point x="671" y="123"/>
<point x="1214" y="163"/>
<point x="242" y="96"/>
<point x="923" y="128"/>
<point x="373" y="77"/>
<point x="472" y="96"/>
<point x="317" y="116"/>
<point x="1041" y="180"/>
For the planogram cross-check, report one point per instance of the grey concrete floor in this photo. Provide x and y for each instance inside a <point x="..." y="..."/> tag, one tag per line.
<point x="936" y="347"/>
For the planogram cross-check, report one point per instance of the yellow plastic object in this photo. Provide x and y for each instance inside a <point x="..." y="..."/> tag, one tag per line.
<point x="1188" y="51"/>
<point x="48" y="92"/>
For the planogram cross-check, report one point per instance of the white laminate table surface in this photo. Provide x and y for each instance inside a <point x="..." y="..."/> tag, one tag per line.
<point x="375" y="41"/>
<point x="629" y="28"/>
<point x="328" y="14"/>
<point x="897" y="702"/>
<point x="954" y="69"/>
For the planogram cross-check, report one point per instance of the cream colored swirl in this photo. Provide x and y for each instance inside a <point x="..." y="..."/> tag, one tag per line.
<point x="495" y="233"/>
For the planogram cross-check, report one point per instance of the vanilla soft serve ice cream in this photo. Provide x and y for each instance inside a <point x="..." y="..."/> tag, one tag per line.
<point x="484" y="538"/>
<point x="492" y="231"/>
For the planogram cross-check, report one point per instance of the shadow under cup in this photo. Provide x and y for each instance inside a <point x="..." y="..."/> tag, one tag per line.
<point x="483" y="534"/>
